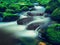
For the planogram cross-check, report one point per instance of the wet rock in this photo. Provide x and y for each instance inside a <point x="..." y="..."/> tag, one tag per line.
<point x="24" y="21"/>
<point x="33" y="26"/>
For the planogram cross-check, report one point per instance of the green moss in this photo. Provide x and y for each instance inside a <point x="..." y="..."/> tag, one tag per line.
<point x="10" y="11"/>
<point x="3" y="4"/>
<point x="53" y="33"/>
<point x="8" y="14"/>
<point x="15" y="7"/>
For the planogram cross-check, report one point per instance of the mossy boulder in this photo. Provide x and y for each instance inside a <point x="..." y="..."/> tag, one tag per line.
<point x="53" y="34"/>
<point x="7" y="17"/>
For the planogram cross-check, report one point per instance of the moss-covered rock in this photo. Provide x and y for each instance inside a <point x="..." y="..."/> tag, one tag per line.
<point x="7" y="17"/>
<point x="53" y="34"/>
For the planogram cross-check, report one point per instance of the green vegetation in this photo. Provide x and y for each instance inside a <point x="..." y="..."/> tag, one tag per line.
<point x="25" y="8"/>
<point x="53" y="33"/>
<point x="9" y="17"/>
<point x="10" y="11"/>
<point x="9" y="8"/>
<point x="43" y="2"/>
<point x="59" y="1"/>
<point x="14" y="7"/>
<point x="3" y="7"/>
<point x="56" y="15"/>
<point x="51" y="6"/>
<point x="56" y="12"/>
<point x="8" y="14"/>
